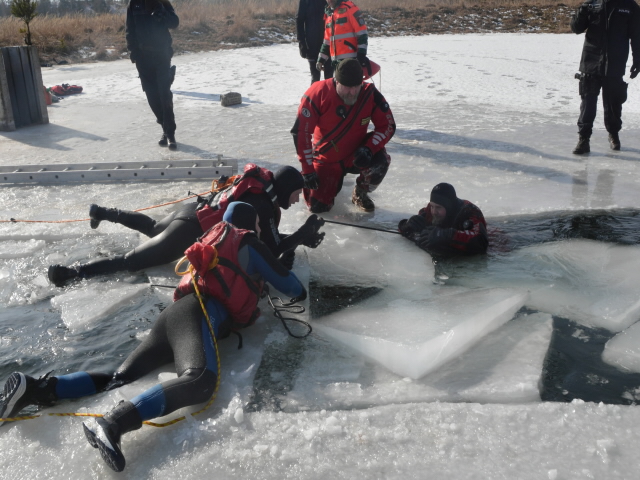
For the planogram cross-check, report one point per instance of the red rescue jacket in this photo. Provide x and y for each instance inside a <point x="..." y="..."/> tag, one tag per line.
<point x="328" y="131"/>
<point x="227" y="282"/>
<point x="254" y="179"/>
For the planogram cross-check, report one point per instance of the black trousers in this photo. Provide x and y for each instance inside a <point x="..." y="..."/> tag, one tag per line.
<point x="315" y="73"/>
<point x="154" y="69"/>
<point x="614" y="94"/>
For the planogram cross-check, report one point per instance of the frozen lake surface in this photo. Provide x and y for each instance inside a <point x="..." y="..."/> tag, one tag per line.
<point x="521" y="364"/>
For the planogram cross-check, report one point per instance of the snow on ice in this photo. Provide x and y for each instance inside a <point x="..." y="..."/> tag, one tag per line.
<point x="492" y="114"/>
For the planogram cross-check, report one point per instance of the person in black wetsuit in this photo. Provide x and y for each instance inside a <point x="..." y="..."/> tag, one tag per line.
<point x="181" y="335"/>
<point x="172" y="235"/>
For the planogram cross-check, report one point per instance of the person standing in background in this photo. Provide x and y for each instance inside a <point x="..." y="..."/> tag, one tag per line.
<point x="149" y="43"/>
<point x="609" y="25"/>
<point x="310" y="29"/>
<point x="345" y="35"/>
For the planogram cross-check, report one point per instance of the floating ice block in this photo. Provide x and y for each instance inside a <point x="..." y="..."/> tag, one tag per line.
<point x="80" y="309"/>
<point x="414" y="338"/>
<point x="623" y="350"/>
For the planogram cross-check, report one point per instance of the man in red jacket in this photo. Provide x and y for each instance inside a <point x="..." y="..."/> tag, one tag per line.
<point x="447" y="225"/>
<point x="331" y="138"/>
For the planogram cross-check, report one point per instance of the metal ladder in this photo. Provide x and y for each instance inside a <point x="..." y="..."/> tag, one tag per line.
<point x="199" y="169"/>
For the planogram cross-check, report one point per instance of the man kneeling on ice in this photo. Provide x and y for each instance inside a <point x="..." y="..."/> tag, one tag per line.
<point x="184" y="334"/>
<point x="447" y="225"/>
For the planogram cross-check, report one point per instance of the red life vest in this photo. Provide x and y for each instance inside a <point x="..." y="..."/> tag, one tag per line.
<point x="227" y="282"/>
<point x="254" y="180"/>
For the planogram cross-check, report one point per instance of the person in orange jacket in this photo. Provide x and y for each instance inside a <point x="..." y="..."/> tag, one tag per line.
<point x="345" y="34"/>
<point x="331" y="137"/>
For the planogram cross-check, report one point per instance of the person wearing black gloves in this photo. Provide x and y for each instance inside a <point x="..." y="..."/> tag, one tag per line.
<point x="267" y="192"/>
<point x="447" y="225"/>
<point x="610" y="26"/>
<point x="310" y="30"/>
<point x="332" y="138"/>
<point x="149" y="43"/>
<point x="185" y="335"/>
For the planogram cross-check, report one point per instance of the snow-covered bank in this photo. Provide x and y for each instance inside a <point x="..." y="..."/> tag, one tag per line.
<point x="492" y="114"/>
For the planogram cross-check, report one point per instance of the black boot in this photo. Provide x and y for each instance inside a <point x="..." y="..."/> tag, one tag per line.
<point x="614" y="141"/>
<point x="133" y="220"/>
<point x="583" y="146"/>
<point x="361" y="199"/>
<point x="105" y="433"/>
<point x="172" y="142"/>
<point x="163" y="140"/>
<point x="59" y="275"/>
<point x="98" y="213"/>
<point x="21" y="390"/>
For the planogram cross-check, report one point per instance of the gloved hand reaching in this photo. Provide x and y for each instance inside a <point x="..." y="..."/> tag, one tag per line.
<point x="287" y="259"/>
<point x="435" y="238"/>
<point x="304" y="51"/>
<point x="363" y="157"/>
<point x="319" y="66"/>
<point x="415" y="224"/>
<point x="311" y="181"/>
<point x="313" y="241"/>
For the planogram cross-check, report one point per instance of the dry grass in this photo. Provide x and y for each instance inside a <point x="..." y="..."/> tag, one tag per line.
<point x="212" y="25"/>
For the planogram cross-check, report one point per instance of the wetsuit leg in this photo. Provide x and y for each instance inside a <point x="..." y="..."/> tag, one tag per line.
<point x="80" y="384"/>
<point x="166" y="247"/>
<point x="185" y="337"/>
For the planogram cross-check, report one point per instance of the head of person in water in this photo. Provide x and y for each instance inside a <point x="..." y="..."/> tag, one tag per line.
<point x="242" y="215"/>
<point x="443" y="203"/>
<point x="288" y="183"/>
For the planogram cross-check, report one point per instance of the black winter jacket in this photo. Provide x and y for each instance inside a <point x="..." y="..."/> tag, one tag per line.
<point x="310" y="25"/>
<point x="148" y="24"/>
<point x="610" y="26"/>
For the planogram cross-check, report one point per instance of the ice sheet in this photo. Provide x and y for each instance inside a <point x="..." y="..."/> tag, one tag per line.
<point x="80" y="309"/>
<point x="623" y="350"/>
<point x="424" y="336"/>
<point x="589" y="282"/>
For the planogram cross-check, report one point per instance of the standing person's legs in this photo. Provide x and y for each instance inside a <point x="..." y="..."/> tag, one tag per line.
<point x="315" y="73"/>
<point x="589" y="90"/>
<point x="156" y="77"/>
<point x="328" y="70"/>
<point x="614" y="94"/>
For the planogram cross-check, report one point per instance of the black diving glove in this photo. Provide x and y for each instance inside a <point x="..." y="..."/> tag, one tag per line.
<point x="313" y="241"/>
<point x="311" y="181"/>
<point x="363" y="157"/>
<point x="435" y="238"/>
<point x="415" y="224"/>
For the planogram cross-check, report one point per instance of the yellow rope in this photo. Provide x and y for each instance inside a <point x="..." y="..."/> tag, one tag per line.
<point x="13" y="220"/>
<point x="146" y="422"/>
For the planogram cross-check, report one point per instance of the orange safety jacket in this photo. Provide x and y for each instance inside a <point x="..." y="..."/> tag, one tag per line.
<point x="345" y="33"/>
